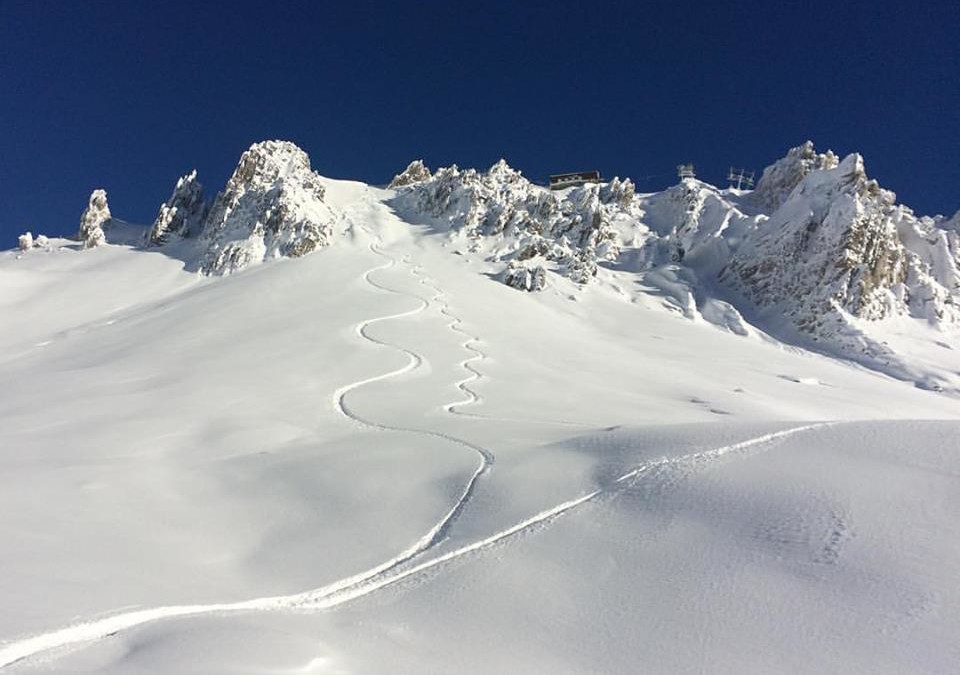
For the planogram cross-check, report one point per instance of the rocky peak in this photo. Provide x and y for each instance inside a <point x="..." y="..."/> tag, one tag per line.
<point x="93" y="220"/>
<point x="416" y="172"/>
<point x="272" y="206"/>
<point x="182" y="214"/>
<point x="504" y="173"/>
<point x="780" y="178"/>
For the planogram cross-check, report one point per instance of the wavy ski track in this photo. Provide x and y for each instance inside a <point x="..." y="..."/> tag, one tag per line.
<point x="364" y="583"/>
<point x="473" y="397"/>
<point x="439" y="531"/>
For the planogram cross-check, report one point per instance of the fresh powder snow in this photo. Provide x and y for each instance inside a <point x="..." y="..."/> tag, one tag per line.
<point x="466" y="424"/>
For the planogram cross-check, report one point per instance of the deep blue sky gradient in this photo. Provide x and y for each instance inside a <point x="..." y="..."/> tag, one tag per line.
<point x="130" y="95"/>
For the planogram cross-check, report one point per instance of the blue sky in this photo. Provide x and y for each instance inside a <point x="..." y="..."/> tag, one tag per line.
<point x="129" y="96"/>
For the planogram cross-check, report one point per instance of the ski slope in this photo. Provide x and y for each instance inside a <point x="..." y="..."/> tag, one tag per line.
<point x="379" y="459"/>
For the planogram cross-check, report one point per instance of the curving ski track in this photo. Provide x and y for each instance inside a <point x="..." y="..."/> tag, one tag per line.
<point x="364" y="583"/>
<point x="414" y="360"/>
<point x="472" y="397"/>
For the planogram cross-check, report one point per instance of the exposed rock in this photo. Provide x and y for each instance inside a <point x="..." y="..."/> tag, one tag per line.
<point x="521" y="277"/>
<point x="502" y="209"/>
<point x="780" y="178"/>
<point x="833" y="246"/>
<point x="416" y="172"/>
<point x="182" y="214"/>
<point x="272" y="206"/>
<point x="94" y="219"/>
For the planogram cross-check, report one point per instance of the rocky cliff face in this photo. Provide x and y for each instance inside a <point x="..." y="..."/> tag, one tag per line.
<point x="836" y="247"/>
<point x="272" y="206"/>
<point x="182" y="214"/>
<point x="94" y="219"/>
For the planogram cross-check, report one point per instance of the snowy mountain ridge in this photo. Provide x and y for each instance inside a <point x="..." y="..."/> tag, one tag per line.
<point x="819" y="254"/>
<point x="214" y="461"/>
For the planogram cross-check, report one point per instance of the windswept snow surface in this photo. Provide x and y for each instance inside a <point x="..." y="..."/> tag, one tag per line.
<point x="378" y="458"/>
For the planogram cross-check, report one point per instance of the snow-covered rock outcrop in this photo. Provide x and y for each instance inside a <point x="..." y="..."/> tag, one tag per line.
<point x="25" y="241"/>
<point x="182" y="214"/>
<point x="502" y="211"/>
<point x="933" y="272"/>
<point x="695" y="224"/>
<point x="836" y="248"/>
<point x="416" y="172"/>
<point x="272" y="206"/>
<point x="780" y="178"/>
<point x="520" y="276"/>
<point x="94" y="219"/>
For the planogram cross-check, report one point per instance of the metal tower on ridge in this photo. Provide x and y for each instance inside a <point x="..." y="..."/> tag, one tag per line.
<point x="741" y="177"/>
<point x="686" y="171"/>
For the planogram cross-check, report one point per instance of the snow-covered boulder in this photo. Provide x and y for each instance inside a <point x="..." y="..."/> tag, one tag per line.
<point x="94" y="219"/>
<point x="416" y="172"/>
<point x="182" y="214"/>
<point x="27" y="241"/>
<point x="272" y="206"/>
<point x="780" y="178"/>
<point x="724" y="315"/>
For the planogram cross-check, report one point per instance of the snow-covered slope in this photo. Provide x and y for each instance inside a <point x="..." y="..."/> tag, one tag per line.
<point x="379" y="458"/>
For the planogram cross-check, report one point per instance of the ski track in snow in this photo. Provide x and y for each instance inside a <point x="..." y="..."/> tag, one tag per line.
<point x="472" y="397"/>
<point x="439" y="531"/>
<point x="364" y="583"/>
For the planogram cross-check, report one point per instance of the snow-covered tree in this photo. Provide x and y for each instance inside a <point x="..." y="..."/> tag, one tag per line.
<point x="95" y="216"/>
<point x="25" y="241"/>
